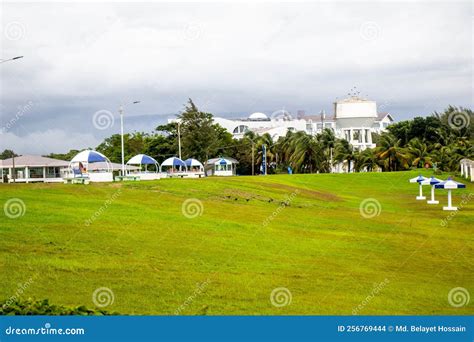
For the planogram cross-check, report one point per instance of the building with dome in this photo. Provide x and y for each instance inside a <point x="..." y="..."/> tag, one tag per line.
<point x="353" y="119"/>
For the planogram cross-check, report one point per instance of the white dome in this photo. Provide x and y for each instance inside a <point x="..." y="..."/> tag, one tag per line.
<point x="258" y="116"/>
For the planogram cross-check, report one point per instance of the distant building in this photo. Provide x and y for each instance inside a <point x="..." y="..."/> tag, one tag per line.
<point x="354" y="119"/>
<point x="30" y="168"/>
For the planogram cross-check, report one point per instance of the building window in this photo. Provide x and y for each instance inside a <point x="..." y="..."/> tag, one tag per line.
<point x="241" y="129"/>
<point x="53" y="172"/>
<point x="36" y="172"/>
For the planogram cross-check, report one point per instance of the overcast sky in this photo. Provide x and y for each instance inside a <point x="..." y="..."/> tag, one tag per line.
<point x="231" y="59"/>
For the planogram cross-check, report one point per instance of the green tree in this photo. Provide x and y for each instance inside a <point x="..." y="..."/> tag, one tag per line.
<point x="390" y="153"/>
<point x="344" y="153"/>
<point x="6" y="154"/>
<point x="200" y="137"/>
<point x="419" y="153"/>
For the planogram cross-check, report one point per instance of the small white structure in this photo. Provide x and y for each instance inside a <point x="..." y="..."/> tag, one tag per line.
<point x="32" y="168"/>
<point x="449" y="184"/>
<point x="174" y="167"/>
<point x="431" y="181"/>
<point x="467" y="169"/>
<point x="221" y="167"/>
<point x="195" y="168"/>
<point x="82" y="167"/>
<point x="142" y="171"/>
<point x="418" y="180"/>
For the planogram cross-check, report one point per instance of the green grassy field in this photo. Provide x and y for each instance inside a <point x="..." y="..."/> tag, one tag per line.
<point x="134" y="239"/>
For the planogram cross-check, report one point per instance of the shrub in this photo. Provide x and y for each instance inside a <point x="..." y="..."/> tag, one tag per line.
<point x="30" y="307"/>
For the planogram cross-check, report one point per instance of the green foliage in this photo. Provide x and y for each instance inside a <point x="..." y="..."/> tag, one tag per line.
<point x="442" y="138"/>
<point x="200" y="137"/>
<point x="63" y="156"/>
<point x="6" y="154"/>
<point x="30" y="307"/>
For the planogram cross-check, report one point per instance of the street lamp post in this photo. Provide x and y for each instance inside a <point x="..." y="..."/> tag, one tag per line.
<point x="179" y="139"/>
<point x="121" y="110"/>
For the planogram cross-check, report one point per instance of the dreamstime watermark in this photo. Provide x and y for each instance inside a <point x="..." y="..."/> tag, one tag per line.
<point x="281" y="207"/>
<point x="22" y="287"/>
<point x="14" y="208"/>
<point x="375" y="291"/>
<point x="192" y="208"/>
<point x="200" y="288"/>
<point x="102" y="208"/>
<point x="103" y="119"/>
<point x="458" y="120"/>
<point x="452" y="214"/>
<point x="280" y="297"/>
<point x="22" y="110"/>
<point x="281" y="114"/>
<point x="369" y="30"/>
<point x="458" y="297"/>
<point x="102" y="297"/>
<point x="369" y="208"/>
<point x="14" y="30"/>
<point x="192" y="31"/>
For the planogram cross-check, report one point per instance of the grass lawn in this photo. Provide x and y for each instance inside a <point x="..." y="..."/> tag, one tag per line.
<point x="304" y="233"/>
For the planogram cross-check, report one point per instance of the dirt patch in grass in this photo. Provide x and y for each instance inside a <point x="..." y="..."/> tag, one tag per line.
<point x="325" y="196"/>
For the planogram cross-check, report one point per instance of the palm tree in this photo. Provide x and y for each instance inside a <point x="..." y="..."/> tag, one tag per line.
<point x="419" y="153"/>
<point x="266" y="139"/>
<point x="366" y="159"/>
<point x="343" y="152"/>
<point x="307" y="153"/>
<point x="391" y="153"/>
<point x="328" y="141"/>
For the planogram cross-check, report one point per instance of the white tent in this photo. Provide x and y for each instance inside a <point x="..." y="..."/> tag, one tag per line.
<point x="143" y="159"/>
<point x="174" y="164"/>
<point x="81" y="166"/>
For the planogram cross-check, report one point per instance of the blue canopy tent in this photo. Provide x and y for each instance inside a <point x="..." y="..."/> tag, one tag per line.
<point x="174" y="164"/>
<point x="144" y="160"/>
<point x="195" y="164"/>
<point x="431" y="181"/>
<point x="449" y="185"/>
<point x="418" y="180"/>
<point x="81" y="167"/>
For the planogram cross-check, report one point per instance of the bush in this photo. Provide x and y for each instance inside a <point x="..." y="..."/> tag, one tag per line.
<point x="43" y="307"/>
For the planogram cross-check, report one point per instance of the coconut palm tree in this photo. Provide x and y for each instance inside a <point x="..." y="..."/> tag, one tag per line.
<point x="343" y="152"/>
<point x="390" y="153"/>
<point x="307" y="153"/>
<point x="328" y="142"/>
<point x="419" y="153"/>
<point x="366" y="159"/>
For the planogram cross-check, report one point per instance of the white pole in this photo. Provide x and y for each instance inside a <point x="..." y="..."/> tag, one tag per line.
<point x="421" y="197"/>
<point x="121" y="134"/>
<point x="449" y="199"/>
<point x="433" y="201"/>
<point x="179" y="140"/>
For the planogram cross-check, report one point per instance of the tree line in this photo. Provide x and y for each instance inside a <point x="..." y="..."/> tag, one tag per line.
<point x="440" y="140"/>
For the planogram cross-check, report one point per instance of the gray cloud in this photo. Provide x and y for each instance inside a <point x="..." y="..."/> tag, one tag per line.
<point x="232" y="59"/>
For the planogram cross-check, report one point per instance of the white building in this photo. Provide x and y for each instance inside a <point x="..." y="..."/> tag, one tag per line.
<point x="354" y="119"/>
<point x="30" y="168"/>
